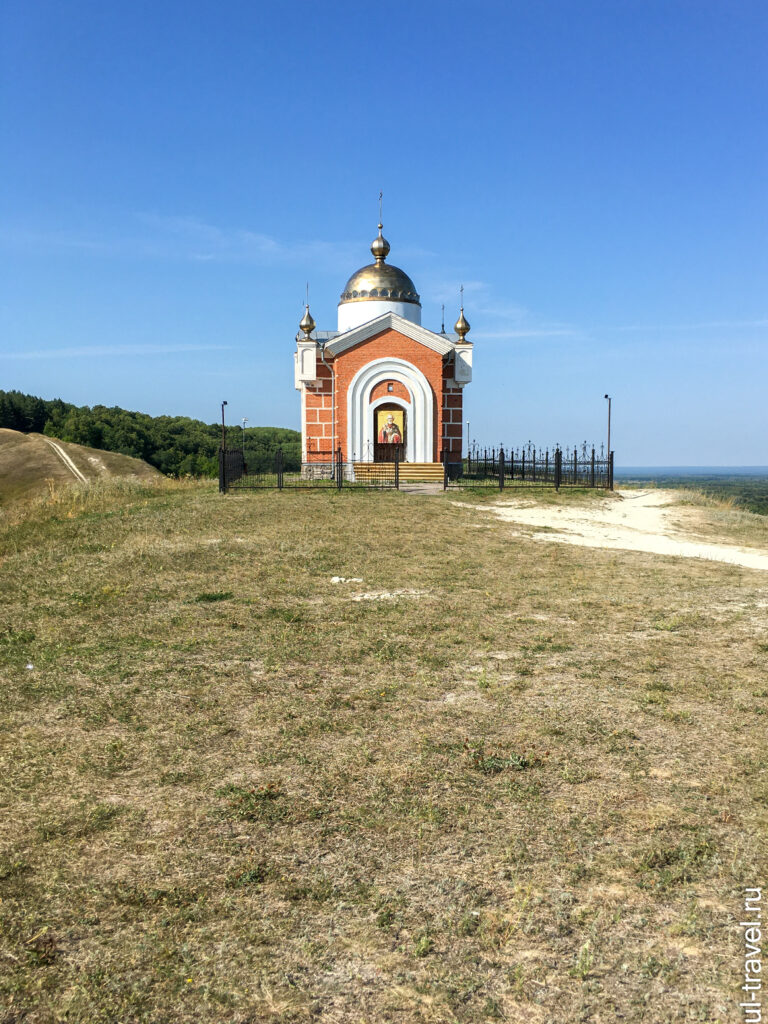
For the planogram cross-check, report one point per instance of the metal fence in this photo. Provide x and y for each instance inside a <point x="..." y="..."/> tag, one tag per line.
<point x="483" y="467"/>
<point x="322" y="470"/>
<point x="580" y="466"/>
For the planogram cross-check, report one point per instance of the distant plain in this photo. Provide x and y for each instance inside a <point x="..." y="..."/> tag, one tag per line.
<point x="743" y="486"/>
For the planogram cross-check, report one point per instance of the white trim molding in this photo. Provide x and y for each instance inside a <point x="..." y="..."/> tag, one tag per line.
<point x="441" y="343"/>
<point x="361" y="430"/>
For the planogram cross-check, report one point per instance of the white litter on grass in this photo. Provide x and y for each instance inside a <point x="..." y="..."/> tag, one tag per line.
<point x="30" y="666"/>
<point x="388" y="595"/>
<point x="346" y="579"/>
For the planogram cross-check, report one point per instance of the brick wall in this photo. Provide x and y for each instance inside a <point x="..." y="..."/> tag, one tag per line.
<point x="447" y="401"/>
<point x="453" y="425"/>
<point x="398" y="391"/>
<point x="319" y="414"/>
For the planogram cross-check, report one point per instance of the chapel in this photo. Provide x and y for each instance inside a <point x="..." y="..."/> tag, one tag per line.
<point x="381" y="386"/>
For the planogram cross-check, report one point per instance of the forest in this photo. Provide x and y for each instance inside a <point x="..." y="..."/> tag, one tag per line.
<point x="176" y="445"/>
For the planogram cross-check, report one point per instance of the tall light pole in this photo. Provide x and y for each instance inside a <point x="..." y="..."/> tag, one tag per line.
<point x="245" y="420"/>
<point x="608" y="453"/>
<point x="223" y="428"/>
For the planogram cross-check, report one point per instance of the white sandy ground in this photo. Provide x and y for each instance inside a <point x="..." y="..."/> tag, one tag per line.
<point x="639" y="521"/>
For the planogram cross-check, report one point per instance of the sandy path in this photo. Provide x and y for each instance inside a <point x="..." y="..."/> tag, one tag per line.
<point x="638" y="522"/>
<point x="67" y="461"/>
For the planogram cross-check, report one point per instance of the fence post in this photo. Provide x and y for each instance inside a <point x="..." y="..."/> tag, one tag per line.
<point x="592" y="470"/>
<point x="279" y="468"/>
<point x="445" y="469"/>
<point x="610" y="471"/>
<point x="339" y="469"/>
<point x="397" y="467"/>
<point x="558" y="468"/>
<point x="501" y="469"/>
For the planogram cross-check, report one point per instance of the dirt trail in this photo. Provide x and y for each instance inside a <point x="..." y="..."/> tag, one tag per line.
<point x="67" y="461"/>
<point x="639" y="522"/>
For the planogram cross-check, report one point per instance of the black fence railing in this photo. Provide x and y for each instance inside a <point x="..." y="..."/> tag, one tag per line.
<point x="582" y="466"/>
<point x="321" y="470"/>
<point x="483" y="467"/>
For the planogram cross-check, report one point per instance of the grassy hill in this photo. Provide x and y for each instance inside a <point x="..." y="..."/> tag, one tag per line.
<point x="497" y="779"/>
<point x="176" y="445"/>
<point x="30" y="465"/>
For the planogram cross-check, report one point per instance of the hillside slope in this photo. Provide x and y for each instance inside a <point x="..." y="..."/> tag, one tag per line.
<point x="28" y="461"/>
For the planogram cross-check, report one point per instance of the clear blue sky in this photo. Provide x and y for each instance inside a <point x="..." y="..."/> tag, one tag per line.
<point x="171" y="173"/>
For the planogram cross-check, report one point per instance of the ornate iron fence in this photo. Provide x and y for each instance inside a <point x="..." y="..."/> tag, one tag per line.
<point x="321" y="470"/>
<point x="483" y="467"/>
<point x="580" y="466"/>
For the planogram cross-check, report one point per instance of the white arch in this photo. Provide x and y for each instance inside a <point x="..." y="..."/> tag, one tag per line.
<point x="361" y="432"/>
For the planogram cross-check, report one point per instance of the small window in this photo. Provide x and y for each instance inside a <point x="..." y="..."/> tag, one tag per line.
<point x="390" y="387"/>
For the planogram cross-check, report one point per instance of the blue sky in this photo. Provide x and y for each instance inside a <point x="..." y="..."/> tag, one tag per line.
<point x="172" y="173"/>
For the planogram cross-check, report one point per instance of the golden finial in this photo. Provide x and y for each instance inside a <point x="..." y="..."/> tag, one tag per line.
<point x="307" y="323"/>
<point x="380" y="246"/>
<point x="462" y="324"/>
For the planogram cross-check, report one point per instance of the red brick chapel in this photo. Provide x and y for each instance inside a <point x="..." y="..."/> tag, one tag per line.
<point x="381" y="386"/>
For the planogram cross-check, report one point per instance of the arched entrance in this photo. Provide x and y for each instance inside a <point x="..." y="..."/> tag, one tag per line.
<point x="391" y="432"/>
<point x="361" y="411"/>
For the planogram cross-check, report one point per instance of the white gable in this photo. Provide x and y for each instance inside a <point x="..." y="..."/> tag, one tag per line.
<point x="441" y="343"/>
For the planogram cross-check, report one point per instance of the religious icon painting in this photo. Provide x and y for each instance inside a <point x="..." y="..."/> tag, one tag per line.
<point x="390" y="426"/>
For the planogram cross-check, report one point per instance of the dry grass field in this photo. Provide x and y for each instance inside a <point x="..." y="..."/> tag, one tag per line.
<point x="497" y="779"/>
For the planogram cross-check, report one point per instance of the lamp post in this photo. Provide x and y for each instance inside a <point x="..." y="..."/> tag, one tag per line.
<point x="223" y="428"/>
<point x="245" y="420"/>
<point x="608" y="454"/>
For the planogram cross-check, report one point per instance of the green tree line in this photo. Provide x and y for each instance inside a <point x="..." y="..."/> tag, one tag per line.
<point x="176" y="445"/>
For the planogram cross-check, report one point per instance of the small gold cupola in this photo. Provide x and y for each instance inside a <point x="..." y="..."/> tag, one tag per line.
<point x="307" y="324"/>
<point x="380" y="246"/>
<point x="462" y="324"/>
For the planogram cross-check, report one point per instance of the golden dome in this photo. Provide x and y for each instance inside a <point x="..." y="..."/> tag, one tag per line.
<point x="462" y="326"/>
<point x="380" y="281"/>
<point x="307" y="323"/>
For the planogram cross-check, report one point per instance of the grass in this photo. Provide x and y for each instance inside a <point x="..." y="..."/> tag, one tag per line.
<point x="529" y="788"/>
<point x="29" y="467"/>
<point x="718" y="517"/>
<point x="749" y="493"/>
